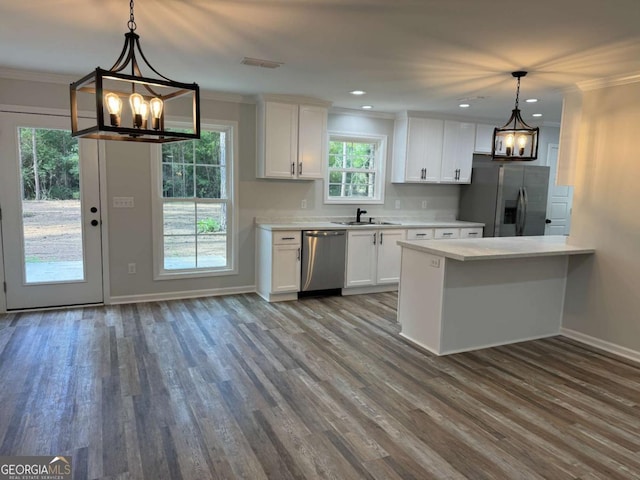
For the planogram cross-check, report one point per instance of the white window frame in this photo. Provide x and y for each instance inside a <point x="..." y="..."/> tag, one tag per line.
<point x="157" y="202"/>
<point x="381" y="162"/>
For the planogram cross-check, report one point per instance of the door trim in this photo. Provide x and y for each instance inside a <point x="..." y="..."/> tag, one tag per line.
<point x="104" y="208"/>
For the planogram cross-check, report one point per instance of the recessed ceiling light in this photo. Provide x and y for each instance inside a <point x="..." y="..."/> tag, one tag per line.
<point x="367" y="107"/>
<point x="531" y="100"/>
<point x="357" y="92"/>
<point x="536" y="115"/>
<point x="464" y="105"/>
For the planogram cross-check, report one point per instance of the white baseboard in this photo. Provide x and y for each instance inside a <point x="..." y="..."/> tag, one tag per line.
<point x="160" y="297"/>
<point x="616" y="349"/>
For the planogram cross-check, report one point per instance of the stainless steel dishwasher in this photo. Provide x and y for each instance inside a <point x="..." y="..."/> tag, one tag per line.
<point x="323" y="259"/>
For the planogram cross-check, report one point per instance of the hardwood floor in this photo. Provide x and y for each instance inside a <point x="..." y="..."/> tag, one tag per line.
<point x="234" y="387"/>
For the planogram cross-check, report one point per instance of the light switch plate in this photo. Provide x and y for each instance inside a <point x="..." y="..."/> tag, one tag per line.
<point x="123" y="202"/>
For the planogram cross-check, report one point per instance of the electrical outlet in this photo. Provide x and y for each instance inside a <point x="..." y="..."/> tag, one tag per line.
<point x="397" y="204"/>
<point x="132" y="269"/>
<point x="424" y="204"/>
<point x="303" y="203"/>
<point x="435" y="262"/>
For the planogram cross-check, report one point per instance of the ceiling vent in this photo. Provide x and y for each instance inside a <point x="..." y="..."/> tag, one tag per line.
<point x="256" y="62"/>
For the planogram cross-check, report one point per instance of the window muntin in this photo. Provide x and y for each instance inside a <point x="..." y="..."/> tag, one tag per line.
<point x="355" y="171"/>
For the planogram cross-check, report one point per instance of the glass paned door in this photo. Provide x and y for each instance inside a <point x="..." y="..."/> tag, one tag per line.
<point x="49" y="193"/>
<point x="51" y="214"/>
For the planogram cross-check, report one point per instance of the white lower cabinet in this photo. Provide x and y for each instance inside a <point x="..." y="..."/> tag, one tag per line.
<point x="373" y="257"/>
<point x="444" y="233"/>
<point x="278" y="264"/>
<point x="473" y="232"/>
<point x="389" y="256"/>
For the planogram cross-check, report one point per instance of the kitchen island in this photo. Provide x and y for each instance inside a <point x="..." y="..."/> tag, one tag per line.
<point x="466" y="294"/>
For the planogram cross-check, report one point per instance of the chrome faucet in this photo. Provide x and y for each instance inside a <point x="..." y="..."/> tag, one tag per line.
<point x="359" y="213"/>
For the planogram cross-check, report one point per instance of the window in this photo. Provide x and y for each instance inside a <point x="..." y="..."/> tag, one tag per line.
<point x="194" y="204"/>
<point x="355" y="172"/>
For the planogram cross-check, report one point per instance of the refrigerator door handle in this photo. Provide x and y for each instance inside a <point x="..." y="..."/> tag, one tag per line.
<point x="525" y="201"/>
<point x="519" y="208"/>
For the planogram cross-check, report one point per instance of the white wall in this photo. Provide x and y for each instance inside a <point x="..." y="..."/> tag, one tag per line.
<point x="603" y="296"/>
<point x="128" y="174"/>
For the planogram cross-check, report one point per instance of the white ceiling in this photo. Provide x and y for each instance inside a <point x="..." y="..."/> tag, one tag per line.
<point x="407" y="54"/>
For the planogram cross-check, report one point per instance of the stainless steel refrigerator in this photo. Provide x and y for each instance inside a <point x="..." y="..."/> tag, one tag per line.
<point x="510" y="199"/>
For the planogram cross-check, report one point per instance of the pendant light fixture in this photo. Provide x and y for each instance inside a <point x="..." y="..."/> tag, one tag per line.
<point x="131" y="107"/>
<point x="515" y="140"/>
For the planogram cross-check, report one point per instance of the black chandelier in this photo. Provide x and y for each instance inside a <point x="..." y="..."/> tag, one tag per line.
<point x="149" y="99"/>
<point x="515" y="140"/>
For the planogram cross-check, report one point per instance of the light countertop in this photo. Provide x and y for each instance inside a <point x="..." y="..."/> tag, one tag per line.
<point x="492" y="248"/>
<point x="326" y="225"/>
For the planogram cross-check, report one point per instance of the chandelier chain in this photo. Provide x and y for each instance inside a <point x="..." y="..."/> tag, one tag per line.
<point x="517" y="90"/>
<point x="131" y="23"/>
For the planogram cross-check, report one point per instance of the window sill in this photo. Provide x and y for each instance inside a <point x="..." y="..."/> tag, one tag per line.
<point x="184" y="274"/>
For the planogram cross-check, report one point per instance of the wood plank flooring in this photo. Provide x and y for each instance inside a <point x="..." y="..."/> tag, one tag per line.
<point x="234" y="387"/>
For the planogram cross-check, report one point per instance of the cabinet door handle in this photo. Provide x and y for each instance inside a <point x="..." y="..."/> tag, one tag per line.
<point x="374" y="238"/>
<point x="287" y="238"/>
<point x="293" y="168"/>
<point x="421" y="234"/>
<point x="380" y="238"/>
<point x="298" y="253"/>
<point x="299" y="168"/>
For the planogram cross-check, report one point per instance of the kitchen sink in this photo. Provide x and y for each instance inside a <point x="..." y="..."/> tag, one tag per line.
<point x="365" y="223"/>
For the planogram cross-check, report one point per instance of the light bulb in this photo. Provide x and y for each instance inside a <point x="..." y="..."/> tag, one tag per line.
<point x="509" y="143"/>
<point x="136" y="101"/>
<point x="522" y="142"/>
<point x="144" y="113"/>
<point x="156" y="112"/>
<point x="114" y="106"/>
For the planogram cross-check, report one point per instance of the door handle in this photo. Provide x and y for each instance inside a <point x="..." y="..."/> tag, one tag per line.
<point x="298" y="253"/>
<point x="525" y="201"/>
<point x="293" y="168"/>
<point x="547" y="221"/>
<point x="299" y="168"/>
<point x="374" y="238"/>
<point x="94" y="222"/>
<point x="380" y="238"/>
<point x="94" y="210"/>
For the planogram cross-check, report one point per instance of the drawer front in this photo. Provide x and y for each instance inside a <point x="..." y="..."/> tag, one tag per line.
<point x="420" y="234"/>
<point x="447" y="233"/>
<point x="474" y="232"/>
<point x="287" y="238"/>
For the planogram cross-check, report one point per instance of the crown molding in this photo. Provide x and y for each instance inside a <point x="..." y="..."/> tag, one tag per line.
<point x="270" y="97"/>
<point x="66" y="79"/>
<point x="361" y="113"/>
<point x="33" y="76"/>
<point x="598" y="83"/>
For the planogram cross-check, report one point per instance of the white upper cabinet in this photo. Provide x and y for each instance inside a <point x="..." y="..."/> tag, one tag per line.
<point x="418" y="150"/>
<point x="312" y="141"/>
<point x="457" y="151"/>
<point x="484" y="138"/>
<point x="428" y="150"/>
<point x="292" y="140"/>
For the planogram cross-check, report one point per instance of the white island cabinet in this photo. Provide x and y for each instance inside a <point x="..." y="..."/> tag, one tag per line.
<point x="466" y="294"/>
